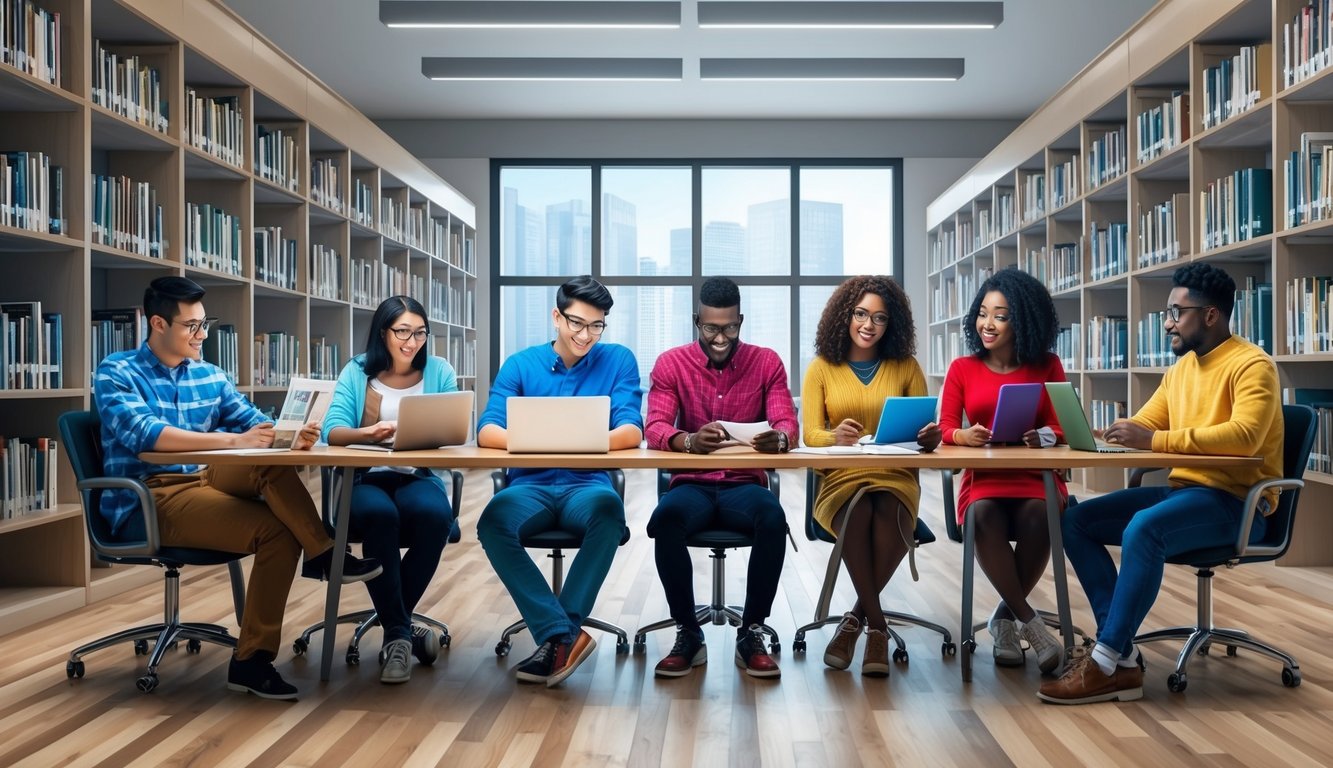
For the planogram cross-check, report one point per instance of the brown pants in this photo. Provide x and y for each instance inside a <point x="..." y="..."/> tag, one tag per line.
<point x="220" y="509"/>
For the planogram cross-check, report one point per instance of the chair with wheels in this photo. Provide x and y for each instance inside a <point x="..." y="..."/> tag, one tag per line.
<point x="81" y="431"/>
<point x="815" y="532"/>
<point x="719" y="540"/>
<point x="557" y="541"/>
<point x="367" y="619"/>
<point x="1299" y="435"/>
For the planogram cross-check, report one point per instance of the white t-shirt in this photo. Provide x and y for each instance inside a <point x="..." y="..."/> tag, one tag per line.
<point x="390" y="397"/>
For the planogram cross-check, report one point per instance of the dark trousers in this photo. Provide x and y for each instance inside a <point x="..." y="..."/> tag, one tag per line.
<point x="391" y="510"/>
<point x="746" y="508"/>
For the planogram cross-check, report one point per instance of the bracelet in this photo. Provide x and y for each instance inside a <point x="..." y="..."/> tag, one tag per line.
<point x="689" y="447"/>
<point x="782" y="442"/>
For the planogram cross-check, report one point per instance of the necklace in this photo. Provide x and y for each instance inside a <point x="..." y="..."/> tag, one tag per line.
<point x="866" y="371"/>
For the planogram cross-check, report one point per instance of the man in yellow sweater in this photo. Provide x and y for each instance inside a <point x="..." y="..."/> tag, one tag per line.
<point x="1221" y="398"/>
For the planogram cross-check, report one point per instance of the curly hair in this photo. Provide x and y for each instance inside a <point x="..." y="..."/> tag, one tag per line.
<point x="1209" y="284"/>
<point x="1032" y="315"/>
<point x="832" y="339"/>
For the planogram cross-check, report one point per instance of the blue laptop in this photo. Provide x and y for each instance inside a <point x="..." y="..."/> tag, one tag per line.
<point x="902" y="418"/>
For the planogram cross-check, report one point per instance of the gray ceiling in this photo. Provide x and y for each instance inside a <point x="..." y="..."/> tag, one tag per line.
<point x="1010" y="70"/>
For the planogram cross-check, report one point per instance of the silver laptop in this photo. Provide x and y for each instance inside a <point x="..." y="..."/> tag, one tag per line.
<point x="1078" y="433"/>
<point x="579" y="424"/>
<point x="429" y="421"/>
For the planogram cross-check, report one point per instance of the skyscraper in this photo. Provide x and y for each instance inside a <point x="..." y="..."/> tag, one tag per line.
<point x="821" y="238"/>
<point x="568" y="239"/>
<point x="724" y="249"/>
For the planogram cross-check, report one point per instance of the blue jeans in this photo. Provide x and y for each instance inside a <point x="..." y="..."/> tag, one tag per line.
<point x="392" y="510"/>
<point x="1149" y="525"/>
<point x="593" y="510"/>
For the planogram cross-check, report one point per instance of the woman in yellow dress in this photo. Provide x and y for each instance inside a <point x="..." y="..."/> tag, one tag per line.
<point x="864" y="353"/>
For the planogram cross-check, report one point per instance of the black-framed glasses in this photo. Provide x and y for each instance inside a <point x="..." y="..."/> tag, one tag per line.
<point x="878" y="318"/>
<point x="1174" y="311"/>
<point x="403" y="334"/>
<point x="731" y="330"/>
<point x="196" y="327"/>
<point x="577" y="324"/>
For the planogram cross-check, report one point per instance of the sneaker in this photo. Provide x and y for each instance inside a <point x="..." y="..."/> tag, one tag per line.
<point x="1004" y="643"/>
<point x="537" y="667"/>
<point x="1038" y="636"/>
<point x="875" y="662"/>
<point x="397" y="665"/>
<point x="354" y="568"/>
<point x="840" y="649"/>
<point x="257" y="675"/>
<point x="568" y="657"/>
<point x="1085" y="683"/>
<point x="425" y="645"/>
<point x="752" y="655"/>
<point x="688" y="652"/>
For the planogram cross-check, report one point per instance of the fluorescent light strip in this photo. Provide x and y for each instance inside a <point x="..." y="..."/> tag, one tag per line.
<point x="850" y="70"/>
<point x="550" y="69"/>
<point x="527" y="14"/>
<point x="835" y="14"/>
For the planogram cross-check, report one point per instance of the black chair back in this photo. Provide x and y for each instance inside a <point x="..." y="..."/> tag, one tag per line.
<point x="82" y="434"/>
<point x="1299" y="427"/>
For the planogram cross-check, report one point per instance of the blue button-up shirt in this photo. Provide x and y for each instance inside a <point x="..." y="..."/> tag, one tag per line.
<point x="137" y="397"/>
<point x="538" y="371"/>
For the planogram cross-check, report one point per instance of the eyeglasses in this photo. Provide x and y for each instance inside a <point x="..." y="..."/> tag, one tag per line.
<point x="196" y="327"/>
<point x="577" y="324"/>
<point x="1174" y="311"/>
<point x="403" y="334"/>
<point x="732" y="330"/>
<point x="879" y="318"/>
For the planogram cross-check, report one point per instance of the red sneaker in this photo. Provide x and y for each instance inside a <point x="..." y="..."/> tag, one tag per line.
<point x="752" y="655"/>
<point x="688" y="652"/>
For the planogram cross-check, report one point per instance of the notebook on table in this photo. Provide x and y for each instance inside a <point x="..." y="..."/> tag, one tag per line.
<point x="1015" y="412"/>
<point x="902" y="418"/>
<point x="571" y="424"/>
<point x="1078" y="433"/>
<point x="429" y="421"/>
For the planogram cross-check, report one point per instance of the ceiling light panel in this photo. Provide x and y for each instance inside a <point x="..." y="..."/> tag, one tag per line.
<point x="831" y="69"/>
<point x="542" y="14"/>
<point x="550" y="69"/>
<point x="836" y="14"/>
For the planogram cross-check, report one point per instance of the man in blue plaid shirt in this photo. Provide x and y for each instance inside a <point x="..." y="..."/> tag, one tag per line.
<point x="164" y="397"/>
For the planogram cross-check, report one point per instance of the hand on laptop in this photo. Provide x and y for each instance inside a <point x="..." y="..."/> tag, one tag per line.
<point x="975" y="436"/>
<point x="929" y="437"/>
<point x="1127" y="433"/>
<point x="379" y="431"/>
<point x="848" y="432"/>
<point x="307" y="437"/>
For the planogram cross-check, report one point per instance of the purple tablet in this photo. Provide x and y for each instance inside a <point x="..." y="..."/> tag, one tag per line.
<point x="1015" y="412"/>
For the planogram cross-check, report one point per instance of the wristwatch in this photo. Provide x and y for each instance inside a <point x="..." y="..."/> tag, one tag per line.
<point x="782" y="442"/>
<point x="689" y="448"/>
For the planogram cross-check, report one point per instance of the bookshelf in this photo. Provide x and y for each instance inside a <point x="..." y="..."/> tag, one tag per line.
<point x="1194" y="134"/>
<point x="223" y="160"/>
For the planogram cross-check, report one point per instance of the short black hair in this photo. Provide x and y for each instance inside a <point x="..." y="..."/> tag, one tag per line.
<point x="1209" y="284"/>
<point x="164" y="295"/>
<point x="1031" y="313"/>
<point x="585" y="289"/>
<point x="377" y="349"/>
<point x="720" y="293"/>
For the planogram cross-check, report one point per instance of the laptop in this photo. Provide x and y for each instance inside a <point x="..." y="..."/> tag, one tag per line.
<point x="429" y="421"/>
<point x="902" y="418"/>
<point x="1015" y="412"/>
<point x="577" y="424"/>
<point x="1078" y="433"/>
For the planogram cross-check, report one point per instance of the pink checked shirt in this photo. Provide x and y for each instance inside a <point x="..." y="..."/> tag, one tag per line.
<point x="688" y="393"/>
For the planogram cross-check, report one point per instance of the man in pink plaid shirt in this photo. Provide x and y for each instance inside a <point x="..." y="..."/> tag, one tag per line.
<point x="694" y="388"/>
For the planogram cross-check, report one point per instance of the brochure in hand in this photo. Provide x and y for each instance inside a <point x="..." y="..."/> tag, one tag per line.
<point x="307" y="401"/>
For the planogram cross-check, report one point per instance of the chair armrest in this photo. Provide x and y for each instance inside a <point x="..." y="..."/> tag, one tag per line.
<point x="147" y="509"/>
<point x="1252" y="498"/>
<point x="499" y="479"/>
<point x="1137" y="474"/>
<point x="774" y="482"/>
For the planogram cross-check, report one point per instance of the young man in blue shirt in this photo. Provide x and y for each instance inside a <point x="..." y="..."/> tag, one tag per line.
<point x="540" y="499"/>
<point x="164" y="397"/>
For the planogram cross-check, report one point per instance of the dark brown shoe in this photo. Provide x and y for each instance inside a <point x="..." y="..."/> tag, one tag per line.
<point x="875" y="662"/>
<point x="842" y="647"/>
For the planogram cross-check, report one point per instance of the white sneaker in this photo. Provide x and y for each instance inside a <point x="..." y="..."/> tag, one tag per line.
<point x="397" y="665"/>
<point x="1043" y="643"/>
<point x="1004" y="643"/>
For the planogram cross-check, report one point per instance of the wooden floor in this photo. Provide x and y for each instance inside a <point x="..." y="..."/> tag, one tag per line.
<point x="468" y="711"/>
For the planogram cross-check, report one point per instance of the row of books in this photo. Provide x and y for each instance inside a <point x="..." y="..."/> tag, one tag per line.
<point x="28" y="477"/>
<point x="1237" y="83"/>
<point x="325" y="188"/>
<point x="1069" y="346"/>
<point x="1164" y="231"/>
<point x="277" y="358"/>
<point x="1309" y="302"/>
<point x="326" y="359"/>
<point x="1102" y="413"/>
<point x="449" y="304"/>
<point x="1034" y="197"/>
<point x="372" y="282"/>
<point x="1064" y="182"/>
<point x="1163" y="127"/>
<point x="276" y="157"/>
<point x="363" y="203"/>
<point x="222" y="348"/>
<point x="965" y="237"/>
<point x="463" y="355"/>
<point x="1307" y="42"/>
<point x="212" y="238"/>
<point x="1154" y="346"/>
<point x="983" y="232"/>
<point x="1308" y="195"/>
<point x="30" y="39"/>
<point x="944" y="249"/>
<point x="1106" y="157"/>
<point x="31" y="349"/>
<point x="1252" y="316"/>
<point x="214" y="125"/>
<point x="1237" y="207"/>
<point x="1108" y="343"/>
<point x="408" y="225"/>
<point x="275" y="258"/>
<point x="31" y="192"/>
<point x="1005" y="221"/>
<point x="117" y="330"/>
<point x="126" y="215"/>
<point x="1108" y="249"/>
<point x="944" y="349"/>
<point x="1059" y="268"/>
<point x="124" y="84"/>
<point x="953" y="296"/>
<point x="326" y="274"/>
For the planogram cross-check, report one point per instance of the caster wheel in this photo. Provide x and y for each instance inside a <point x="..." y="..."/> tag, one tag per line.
<point x="146" y="683"/>
<point x="502" y="648"/>
<point x="1176" y="682"/>
<point x="445" y="639"/>
<point x="970" y="646"/>
<point x="622" y="647"/>
<point x="949" y="649"/>
<point x="1231" y="650"/>
<point x="1203" y="649"/>
<point x="193" y="646"/>
<point x="775" y="647"/>
<point x="299" y="646"/>
<point x="140" y="647"/>
<point x="899" y="656"/>
<point x="75" y="669"/>
<point x="798" y="646"/>
<point x="1291" y="676"/>
<point x="640" y="647"/>
<point x="353" y="657"/>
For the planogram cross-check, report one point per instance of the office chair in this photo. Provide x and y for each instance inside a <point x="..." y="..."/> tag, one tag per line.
<point x="557" y="541"/>
<point x="815" y="532"/>
<point x="1300" y="426"/>
<point x="719" y="540"/>
<point x="331" y="485"/>
<point x="81" y="431"/>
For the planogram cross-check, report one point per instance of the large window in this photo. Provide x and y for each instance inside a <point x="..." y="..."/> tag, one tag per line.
<point x="787" y="232"/>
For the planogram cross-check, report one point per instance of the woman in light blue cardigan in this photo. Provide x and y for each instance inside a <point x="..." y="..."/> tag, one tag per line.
<point x="394" y="506"/>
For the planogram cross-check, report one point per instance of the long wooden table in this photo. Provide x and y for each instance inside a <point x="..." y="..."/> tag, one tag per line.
<point x="1050" y="460"/>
